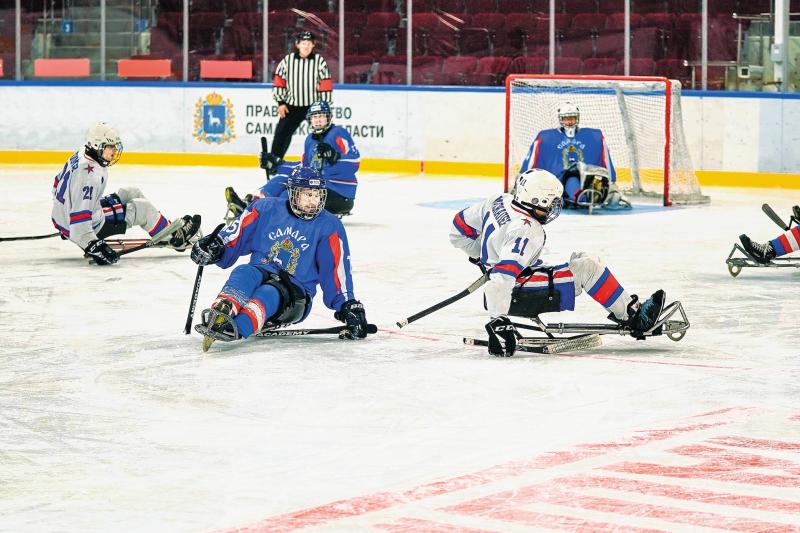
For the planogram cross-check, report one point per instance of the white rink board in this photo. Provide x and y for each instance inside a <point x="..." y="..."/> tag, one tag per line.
<point x="749" y="134"/>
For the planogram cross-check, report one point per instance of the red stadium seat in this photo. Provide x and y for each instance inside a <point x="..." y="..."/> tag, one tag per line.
<point x="490" y="71"/>
<point x="579" y="6"/>
<point x="528" y="65"/>
<point x="568" y="65"/>
<point x="600" y="66"/>
<point x="426" y="70"/>
<point x="480" y="6"/>
<point x="358" y="68"/>
<point x="456" y="69"/>
<point x="616" y="21"/>
<point x="639" y="66"/>
<point x="391" y="70"/>
<point x="612" y="6"/>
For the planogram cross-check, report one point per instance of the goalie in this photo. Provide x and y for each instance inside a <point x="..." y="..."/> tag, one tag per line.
<point x="505" y="234"/>
<point x="580" y="158"/>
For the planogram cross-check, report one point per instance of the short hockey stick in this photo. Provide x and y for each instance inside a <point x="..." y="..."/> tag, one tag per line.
<point x="158" y="237"/>
<point x="28" y="238"/>
<point x="335" y="330"/>
<point x="264" y="149"/>
<point x="549" y="346"/>
<point x="774" y="217"/>
<point x="187" y="329"/>
<point x="444" y="303"/>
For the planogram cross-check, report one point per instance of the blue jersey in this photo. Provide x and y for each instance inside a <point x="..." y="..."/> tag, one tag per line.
<point x="313" y="252"/>
<point x="553" y="151"/>
<point x="341" y="176"/>
<point x="278" y="186"/>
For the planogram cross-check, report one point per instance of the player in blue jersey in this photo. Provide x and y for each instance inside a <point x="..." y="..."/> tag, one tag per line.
<point x="328" y="148"/>
<point x="579" y="157"/>
<point x="294" y="245"/>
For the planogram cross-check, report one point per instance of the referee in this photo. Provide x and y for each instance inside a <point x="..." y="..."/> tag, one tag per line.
<point x="302" y="78"/>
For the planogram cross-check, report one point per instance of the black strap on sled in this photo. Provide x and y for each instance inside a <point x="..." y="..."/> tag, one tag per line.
<point x="528" y="272"/>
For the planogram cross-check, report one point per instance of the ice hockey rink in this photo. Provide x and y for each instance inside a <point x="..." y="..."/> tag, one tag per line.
<point x="112" y="419"/>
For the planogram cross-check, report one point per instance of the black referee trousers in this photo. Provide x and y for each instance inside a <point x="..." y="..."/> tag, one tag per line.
<point x="286" y="128"/>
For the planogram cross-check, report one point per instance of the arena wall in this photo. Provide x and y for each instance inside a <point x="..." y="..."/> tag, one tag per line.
<point x="737" y="139"/>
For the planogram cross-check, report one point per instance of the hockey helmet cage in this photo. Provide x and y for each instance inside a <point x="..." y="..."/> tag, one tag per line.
<point x="538" y="192"/>
<point x="569" y="110"/>
<point x="301" y="180"/>
<point x="320" y="107"/>
<point x="97" y="138"/>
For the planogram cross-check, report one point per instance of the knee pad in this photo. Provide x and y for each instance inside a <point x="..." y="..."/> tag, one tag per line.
<point x="585" y="269"/>
<point x="126" y="194"/>
<point x="140" y="212"/>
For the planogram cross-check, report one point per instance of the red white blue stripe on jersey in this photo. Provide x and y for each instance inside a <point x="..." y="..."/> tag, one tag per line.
<point x="463" y="228"/>
<point x="338" y="265"/>
<point x="606" y="290"/>
<point x="64" y="231"/>
<point x="509" y="268"/>
<point x="787" y="243"/>
<point x="80" y="216"/>
<point x="160" y="225"/>
<point x="238" y="225"/>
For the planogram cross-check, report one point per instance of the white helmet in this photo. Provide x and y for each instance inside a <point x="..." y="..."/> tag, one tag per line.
<point x="566" y="110"/>
<point x="539" y="193"/>
<point x="97" y="138"/>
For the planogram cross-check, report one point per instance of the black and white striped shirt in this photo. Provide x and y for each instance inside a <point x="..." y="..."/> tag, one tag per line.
<point x="301" y="82"/>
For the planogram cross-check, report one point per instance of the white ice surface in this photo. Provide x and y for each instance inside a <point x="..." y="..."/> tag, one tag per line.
<point x="112" y="420"/>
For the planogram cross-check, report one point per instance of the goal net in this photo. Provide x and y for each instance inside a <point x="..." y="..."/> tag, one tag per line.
<point x="640" y="118"/>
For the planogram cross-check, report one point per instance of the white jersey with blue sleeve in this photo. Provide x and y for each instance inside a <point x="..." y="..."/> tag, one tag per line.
<point x="77" y="190"/>
<point x="504" y="238"/>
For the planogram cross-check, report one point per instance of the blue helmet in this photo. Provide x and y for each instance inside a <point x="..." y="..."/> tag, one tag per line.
<point x="320" y="107"/>
<point x="307" y="192"/>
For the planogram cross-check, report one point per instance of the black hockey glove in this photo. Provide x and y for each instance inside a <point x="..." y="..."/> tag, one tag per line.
<point x="502" y="337"/>
<point x="269" y="162"/>
<point x="208" y="250"/>
<point x="352" y="313"/>
<point x="101" y="253"/>
<point x="477" y="262"/>
<point x="327" y="153"/>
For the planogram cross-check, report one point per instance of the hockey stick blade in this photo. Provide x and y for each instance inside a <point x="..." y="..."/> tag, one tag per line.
<point x="158" y="237"/>
<point x="28" y="238"/>
<point x="549" y="346"/>
<point x="444" y="303"/>
<point x="335" y="330"/>
<point x="774" y="217"/>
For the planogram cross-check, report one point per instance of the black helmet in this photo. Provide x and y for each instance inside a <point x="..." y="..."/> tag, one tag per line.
<point x="304" y="36"/>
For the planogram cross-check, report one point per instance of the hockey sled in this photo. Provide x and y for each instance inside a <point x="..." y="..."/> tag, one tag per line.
<point x="672" y="322"/>
<point x="745" y="260"/>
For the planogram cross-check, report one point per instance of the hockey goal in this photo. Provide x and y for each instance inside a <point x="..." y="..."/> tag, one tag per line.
<point x="640" y="118"/>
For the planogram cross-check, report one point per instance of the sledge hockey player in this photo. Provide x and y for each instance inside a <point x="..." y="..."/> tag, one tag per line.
<point x="86" y="217"/>
<point x="294" y="245"/>
<point x="783" y="244"/>
<point x="580" y="158"/>
<point x="505" y="234"/>
<point x="330" y="149"/>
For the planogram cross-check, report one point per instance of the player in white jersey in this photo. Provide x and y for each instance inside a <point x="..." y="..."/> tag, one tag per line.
<point x="506" y="235"/>
<point x="85" y="216"/>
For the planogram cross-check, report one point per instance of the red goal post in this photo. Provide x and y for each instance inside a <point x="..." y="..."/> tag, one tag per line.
<point x="640" y="118"/>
